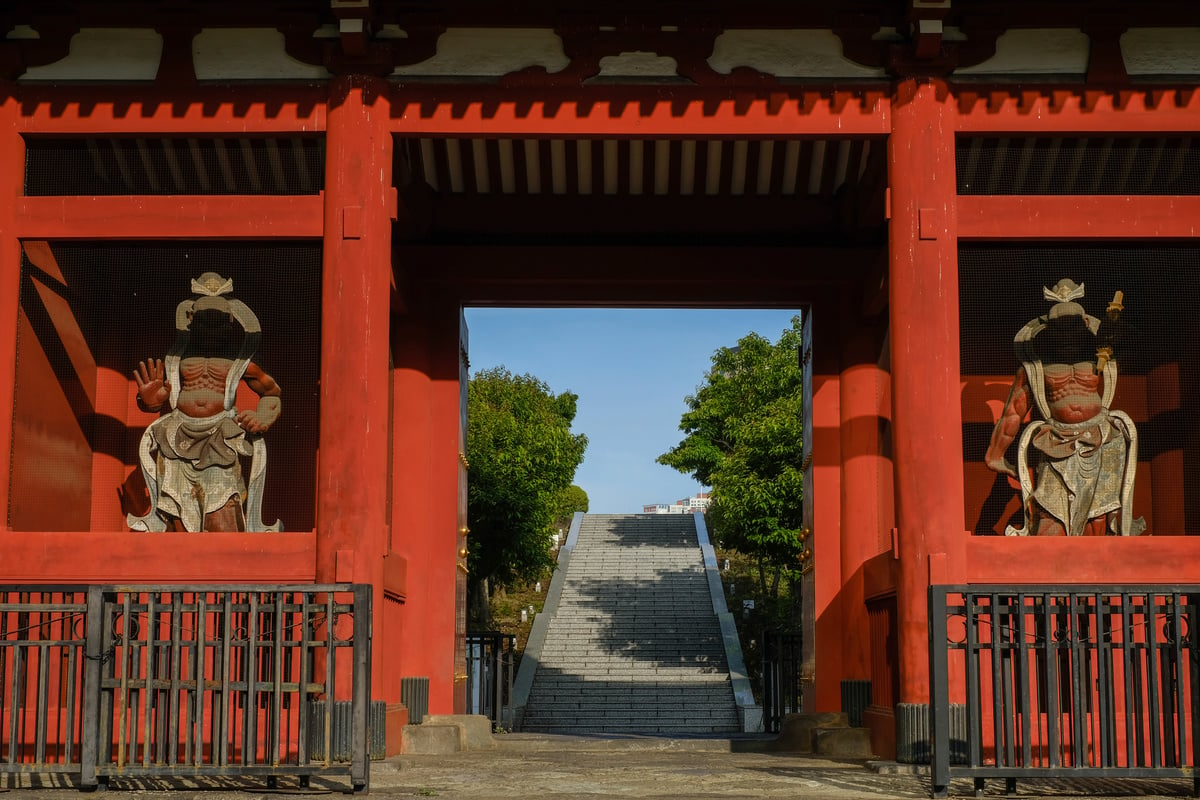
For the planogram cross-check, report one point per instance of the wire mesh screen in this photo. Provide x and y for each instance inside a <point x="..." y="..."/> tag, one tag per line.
<point x="115" y="166"/>
<point x="1156" y="340"/>
<point x="1078" y="165"/>
<point x="90" y="312"/>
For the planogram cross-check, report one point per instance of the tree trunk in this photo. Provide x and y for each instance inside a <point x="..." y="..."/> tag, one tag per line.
<point x="481" y="606"/>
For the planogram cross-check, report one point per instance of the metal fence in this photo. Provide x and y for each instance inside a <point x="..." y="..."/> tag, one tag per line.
<point x="182" y="681"/>
<point x="491" y="667"/>
<point x="781" y="660"/>
<point x="1071" y="680"/>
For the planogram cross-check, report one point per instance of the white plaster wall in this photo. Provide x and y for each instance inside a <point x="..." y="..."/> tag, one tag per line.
<point x="105" y="54"/>
<point x="1036" y="51"/>
<point x="638" y="64"/>
<point x="248" y="54"/>
<point x="491" y="52"/>
<point x="1161" y="51"/>
<point x="787" y="54"/>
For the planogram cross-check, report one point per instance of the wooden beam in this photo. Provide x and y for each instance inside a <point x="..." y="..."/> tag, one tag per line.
<point x="634" y="276"/>
<point x="121" y="557"/>
<point x="423" y="110"/>
<point x="171" y="217"/>
<point x="159" y="111"/>
<point x="1017" y="217"/>
<point x="502" y="216"/>
<point x="1009" y="110"/>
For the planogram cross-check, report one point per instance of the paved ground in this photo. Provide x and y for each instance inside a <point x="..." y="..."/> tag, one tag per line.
<point x="578" y="768"/>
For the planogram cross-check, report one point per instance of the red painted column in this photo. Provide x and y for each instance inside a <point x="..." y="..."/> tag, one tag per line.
<point x="1167" y="469"/>
<point x="352" y="474"/>
<point x="862" y="386"/>
<point x="425" y="493"/>
<point x="11" y="188"/>
<point x="924" y="326"/>
<point x="827" y="507"/>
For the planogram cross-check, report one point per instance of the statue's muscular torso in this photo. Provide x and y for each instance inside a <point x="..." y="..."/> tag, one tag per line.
<point x="1073" y="391"/>
<point x="202" y="385"/>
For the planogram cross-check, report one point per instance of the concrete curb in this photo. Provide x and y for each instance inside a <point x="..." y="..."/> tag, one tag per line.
<point x="541" y="623"/>
<point x="749" y="713"/>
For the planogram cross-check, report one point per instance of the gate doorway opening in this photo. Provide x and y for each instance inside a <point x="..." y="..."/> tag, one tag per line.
<point x="627" y="375"/>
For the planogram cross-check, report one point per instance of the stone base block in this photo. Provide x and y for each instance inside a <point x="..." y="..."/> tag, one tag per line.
<point x="796" y="733"/>
<point x="476" y="729"/>
<point x="842" y="742"/>
<point x="431" y="739"/>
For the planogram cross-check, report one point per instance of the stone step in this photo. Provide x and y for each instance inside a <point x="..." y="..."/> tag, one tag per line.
<point x="634" y="645"/>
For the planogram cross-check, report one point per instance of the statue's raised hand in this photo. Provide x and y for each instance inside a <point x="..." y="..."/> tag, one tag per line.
<point x="153" y="389"/>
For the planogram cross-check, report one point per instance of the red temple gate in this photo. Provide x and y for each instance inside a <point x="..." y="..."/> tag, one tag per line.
<point x="361" y="207"/>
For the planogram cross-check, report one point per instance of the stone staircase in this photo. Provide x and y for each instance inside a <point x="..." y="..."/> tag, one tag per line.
<point x="634" y="644"/>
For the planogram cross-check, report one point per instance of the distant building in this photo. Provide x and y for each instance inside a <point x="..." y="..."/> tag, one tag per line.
<point x="688" y="505"/>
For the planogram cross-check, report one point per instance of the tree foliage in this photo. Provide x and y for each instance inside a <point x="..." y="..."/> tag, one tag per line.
<point x="744" y="438"/>
<point x="522" y="456"/>
<point x="569" y="500"/>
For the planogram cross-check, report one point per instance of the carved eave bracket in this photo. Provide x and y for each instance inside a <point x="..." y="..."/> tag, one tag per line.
<point x="919" y="42"/>
<point x="586" y="43"/>
<point x="49" y="42"/>
<point x="360" y="44"/>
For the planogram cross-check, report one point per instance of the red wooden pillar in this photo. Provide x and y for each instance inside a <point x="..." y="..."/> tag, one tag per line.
<point x="11" y="188"/>
<point x="352" y="474"/>
<point x="826" y="661"/>
<point x="425" y="495"/>
<point x="1167" y="469"/>
<point x="926" y="409"/>
<point x="862" y="386"/>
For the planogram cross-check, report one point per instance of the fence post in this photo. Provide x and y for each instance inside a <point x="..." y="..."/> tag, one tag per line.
<point x="939" y="694"/>
<point x="1193" y="612"/>
<point x="360" y="766"/>
<point x="93" y="658"/>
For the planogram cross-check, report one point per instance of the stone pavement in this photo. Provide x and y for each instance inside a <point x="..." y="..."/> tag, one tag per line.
<point x="546" y="767"/>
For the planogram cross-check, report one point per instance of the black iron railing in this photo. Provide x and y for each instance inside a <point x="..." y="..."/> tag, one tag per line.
<point x="1072" y="680"/>
<point x="491" y="668"/>
<point x="184" y="681"/>
<point x="781" y="660"/>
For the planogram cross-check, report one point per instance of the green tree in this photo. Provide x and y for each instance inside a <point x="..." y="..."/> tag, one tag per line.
<point x="744" y="438"/>
<point x="569" y="500"/>
<point x="522" y="456"/>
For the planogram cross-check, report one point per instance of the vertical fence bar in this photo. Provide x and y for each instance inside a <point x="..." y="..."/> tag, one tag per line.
<point x="148" y="677"/>
<point x="250" y="745"/>
<point x="73" y="694"/>
<point x="1194" y="687"/>
<point x="509" y="668"/>
<point x="330" y="670"/>
<point x="226" y="700"/>
<point x="939" y="685"/>
<point x="42" y="688"/>
<point x="1104" y="681"/>
<point x="197" y="722"/>
<point x="360" y="769"/>
<point x="93" y="653"/>
<point x="1051" y="671"/>
<point x="307" y="609"/>
<point x="122" y="709"/>
<point x="1177" y="682"/>
<point x="974" y="681"/>
<point x="176" y="667"/>
<point x="277" y="688"/>
<point x="1152" y="699"/>
<point x="1023" y="652"/>
<point x="1128" y="654"/>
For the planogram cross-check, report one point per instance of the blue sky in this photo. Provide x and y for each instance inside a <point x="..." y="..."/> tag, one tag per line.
<point x="632" y="369"/>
